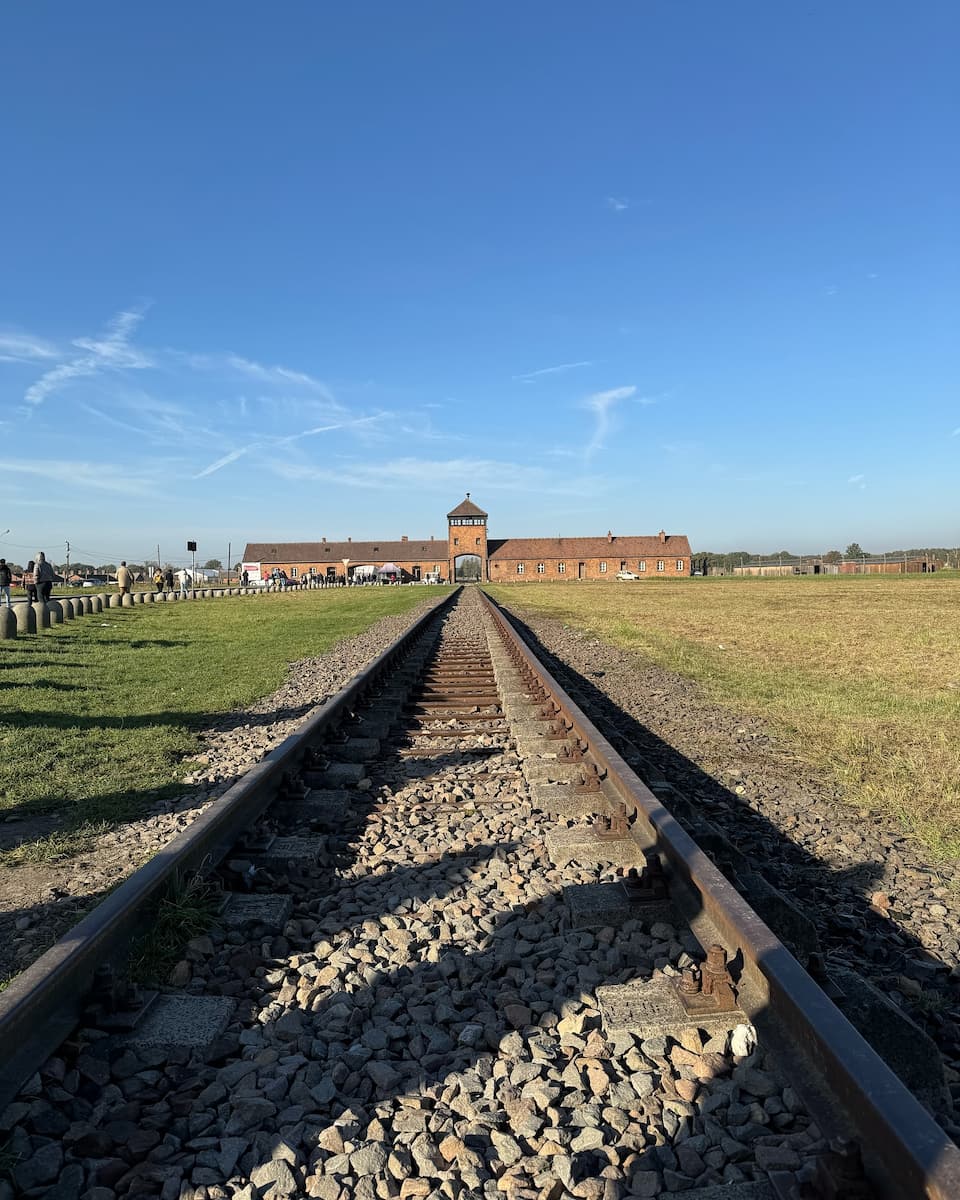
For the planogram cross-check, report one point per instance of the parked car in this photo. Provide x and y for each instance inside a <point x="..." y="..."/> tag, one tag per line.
<point x="627" y="575"/>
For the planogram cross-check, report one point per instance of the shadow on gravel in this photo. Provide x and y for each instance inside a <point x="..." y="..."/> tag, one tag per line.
<point x="851" y="932"/>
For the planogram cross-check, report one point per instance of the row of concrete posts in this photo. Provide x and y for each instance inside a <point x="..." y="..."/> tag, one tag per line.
<point x="25" y="617"/>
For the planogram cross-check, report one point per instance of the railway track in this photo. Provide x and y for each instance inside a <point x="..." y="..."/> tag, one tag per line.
<point x="463" y="951"/>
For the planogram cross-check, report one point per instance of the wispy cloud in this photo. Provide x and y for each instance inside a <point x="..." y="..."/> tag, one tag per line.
<point x="21" y="347"/>
<point x="439" y="475"/>
<point x="111" y="352"/>
<point x="106" y="477"/>
<point x="558" y="370"/>
<point x="601" y="404"/>
<point x="248" y="368"/>
<point x="856" y="479"/>
<point x="617" y="203"/>
<point x="274" y="442"/>
<point x="956" y="432"/>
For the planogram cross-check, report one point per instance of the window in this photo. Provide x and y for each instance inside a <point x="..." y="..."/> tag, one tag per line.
<point x="603" y="568"/>
<point x="623" y="566"/>
<point x="478" y="541"/>
<point x="519" y="568"/>
<point x="293" y="572"/>
<point x="642" y="564"/>
<point x="456" y="541"/>
<point x="561" y="568"/>
<point x="540" y="568"/>
<point x="679" y="564"/>
<point x="659" y="564"/>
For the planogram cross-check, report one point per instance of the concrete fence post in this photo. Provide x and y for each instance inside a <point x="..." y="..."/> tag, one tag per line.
<point x="114" y="600"/>
<point x="8" y="624"/>
<point x="43" y="616"/>
<point x="25" y="617"/>
<point x="56" y="612"/>
<point x="104" y="601"/>
<point x="66" y="606"/>
<point x="139" y="597"/>
<point x="87" y="602"/>
<point x="126" y="600"/>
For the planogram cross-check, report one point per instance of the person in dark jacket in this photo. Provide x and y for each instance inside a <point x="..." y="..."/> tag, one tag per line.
<point x="43" y="573"/>
<point x="168" y="579"/>
<point x="6" y="578"/>
<point x="29" y="582"/>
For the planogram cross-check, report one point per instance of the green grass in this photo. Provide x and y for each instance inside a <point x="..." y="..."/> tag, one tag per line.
<point x="187" y="911"/>
<point x="858" y="674"/>
<point x="98" y="715"/>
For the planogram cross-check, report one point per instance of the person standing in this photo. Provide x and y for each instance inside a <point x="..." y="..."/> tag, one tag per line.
<point x="29" y="582"/>
<point x="168" y="579"/>
<point x="124" y="578"/>
<point x="6" y="578"/>
<point x="186" y="579"/>
<point x="158" y="580"/>
<point x="44" y="577"/>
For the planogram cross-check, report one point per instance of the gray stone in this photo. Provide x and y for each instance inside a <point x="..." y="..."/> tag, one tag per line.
<point x="581" y="844"/>
<point x="241" y="911"/>
<point x="26" y="617"/>
<point x="275" y="1178"/>
<point x="55" y="609"/>
<point x="194" y="1021"/>
<point x="368" y="1160"/>
<point x="8" y="624"/>
<point x="115" y="600"/>
<point x="651" y="1008"/>
<point x="291" y="851"/>
<point x="42" y="614"/>
<point x="43" y="1166"/>
<point x="598" y="905"/>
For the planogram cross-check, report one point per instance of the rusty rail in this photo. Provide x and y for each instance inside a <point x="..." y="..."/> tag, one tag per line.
<point x="42" y="1005"/>
<point x="906" y="1154"/>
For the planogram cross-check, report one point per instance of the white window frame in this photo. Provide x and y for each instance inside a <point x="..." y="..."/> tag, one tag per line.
<point x="541" y="567"/>
<point x="603" y="568"/>
<point x="293" y="572"/>
<point x="561" y="568"/>
<point x="679" y="564"/>
<point x="642" y="564"/>
<point x="519" y="568"/>
<point x="659" y="564"/>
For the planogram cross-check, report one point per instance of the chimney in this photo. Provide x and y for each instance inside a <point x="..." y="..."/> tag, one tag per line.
<point x="468" y="495"/>
<point x="324" y="540"/>
<point x="609" y="535"/>
<point x="404" y="538"/>
<point x="349" y="539"/>
<point x="431" y="537"/>
<point x="662" y="536"/>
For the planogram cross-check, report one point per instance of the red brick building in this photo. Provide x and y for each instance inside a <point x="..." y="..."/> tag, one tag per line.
<point x="469" y="554"/>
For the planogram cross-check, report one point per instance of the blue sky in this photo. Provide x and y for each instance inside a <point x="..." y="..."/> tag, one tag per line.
<point x="319" y="269"/>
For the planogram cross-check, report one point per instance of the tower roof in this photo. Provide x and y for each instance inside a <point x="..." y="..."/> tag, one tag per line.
<point x="467" y="508"/>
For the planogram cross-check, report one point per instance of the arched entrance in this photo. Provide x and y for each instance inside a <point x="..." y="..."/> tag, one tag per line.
<point x="466" y="568"/>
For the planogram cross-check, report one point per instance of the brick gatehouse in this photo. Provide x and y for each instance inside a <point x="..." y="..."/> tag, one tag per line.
<point x="467" y="554"/>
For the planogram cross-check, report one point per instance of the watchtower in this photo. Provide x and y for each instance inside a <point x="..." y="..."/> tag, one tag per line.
<point x="466" y="540"/>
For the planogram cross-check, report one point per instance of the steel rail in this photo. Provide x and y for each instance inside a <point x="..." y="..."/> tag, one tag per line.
<point x="43" y="1004"/>
<point x="906" y="1154"/>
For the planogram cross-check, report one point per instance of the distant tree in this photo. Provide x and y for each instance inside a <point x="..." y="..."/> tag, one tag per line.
<point x="213" y="564"/>
<point x="855" y="550"/>
<point x="107" y="569"/>
<point x="833" y="556"/>
<point x="82" y="568"/>
<point x="784" y="554"/>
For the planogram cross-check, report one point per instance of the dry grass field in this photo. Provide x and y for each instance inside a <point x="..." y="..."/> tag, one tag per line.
<point x="862" y="674"/>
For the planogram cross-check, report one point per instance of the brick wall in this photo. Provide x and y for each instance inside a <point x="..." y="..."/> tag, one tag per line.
<point x="505" y="570"/>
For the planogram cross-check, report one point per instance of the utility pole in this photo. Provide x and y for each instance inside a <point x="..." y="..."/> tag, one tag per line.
<point x="229" y="560"/>
<point x="159" y="564"/>
<point x="68" y="560"/>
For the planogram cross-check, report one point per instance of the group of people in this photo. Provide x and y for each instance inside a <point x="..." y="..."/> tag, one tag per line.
<point x="38" y="579"/>
<point x="163" y="580"/>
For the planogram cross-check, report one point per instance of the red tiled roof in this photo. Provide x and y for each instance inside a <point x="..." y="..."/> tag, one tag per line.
<point x="467" y="508"/>
<point x="358" y="552"/>
<point x="675" y="546"/>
